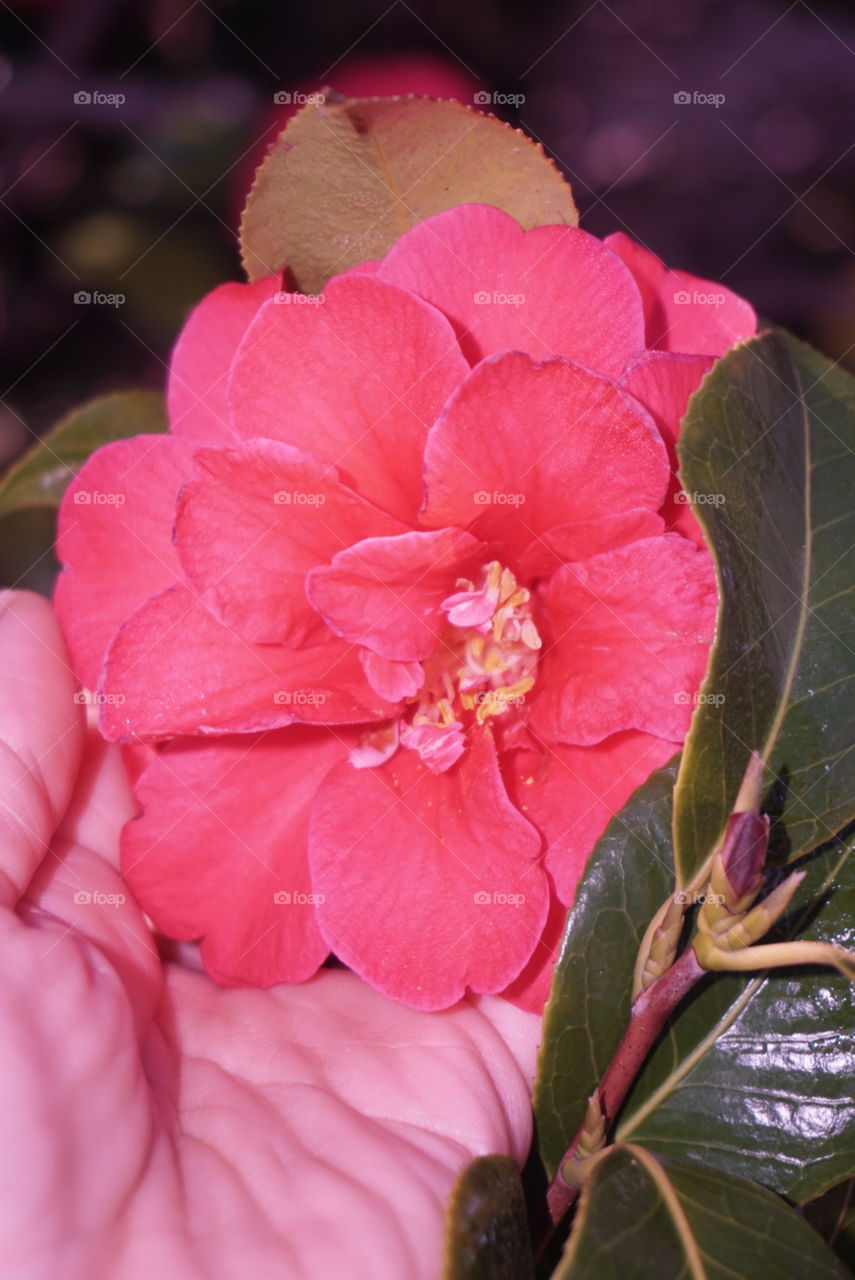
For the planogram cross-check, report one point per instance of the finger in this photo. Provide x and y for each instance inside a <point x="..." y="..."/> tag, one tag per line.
<point x="41" y="737"/>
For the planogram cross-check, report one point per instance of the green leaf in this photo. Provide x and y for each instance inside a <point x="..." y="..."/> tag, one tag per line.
<point x="346" y="178"/>
<point x="767" y="448"/>
<point x="40" y="477"/>
<point x="833" y="1216"/>
<point x="754" y="1076"/>
<point x="648" y="1218"/>
<point x="487" y="1234"/>
<point x="628" y="877"/>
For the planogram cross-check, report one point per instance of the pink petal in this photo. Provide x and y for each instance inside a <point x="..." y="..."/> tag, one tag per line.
<point x="173" y="669"/>
<point x="391" y="680"/>
<point x="223" y="831"/>
<point x="682" y="312"/>
<point x="587" y="538"/>
<point x="385" y="593"/>
<point x="549" y="291"/>
<point x="197" y="394"/>
<point x="663" y="383"/>
<point x="355" y="377"/>
<point x="571" y="793"/>
<point x="627" y="635"/>
<point x="417" y="869"/>
<point x="530" y="990"/>
<point x="522" y="449"/>
<point x="251" y="524"/>
<point x="115" y="540"/>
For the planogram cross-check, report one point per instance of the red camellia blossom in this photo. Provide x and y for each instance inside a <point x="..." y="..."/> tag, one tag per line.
<point x="406" y="598"/>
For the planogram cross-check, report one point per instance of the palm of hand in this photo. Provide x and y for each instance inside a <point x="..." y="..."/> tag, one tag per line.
<point x="155" y="1124"/>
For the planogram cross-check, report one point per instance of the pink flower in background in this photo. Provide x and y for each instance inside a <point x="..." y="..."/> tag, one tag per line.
<point x="407" y="596"/>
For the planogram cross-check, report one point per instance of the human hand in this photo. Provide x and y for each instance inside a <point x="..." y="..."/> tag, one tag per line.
<point x="153" y="1123"/>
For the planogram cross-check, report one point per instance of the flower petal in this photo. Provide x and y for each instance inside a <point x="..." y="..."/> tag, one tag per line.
<point x="522" y="449"/>
<point x="223" y="831"/>
<point x="197" y="393"/>
<point x="549" y="291"/>
<point x="430" y="881"/>
<point x="385" y="593"/>
<point x="115" y="540"/>
<point x="250" y="525"/>
<point x="682" y="312"/>
<point x="173" y="669"/>
<point x="356" y="378"/>
<point x="587" y="538"/>
<point x="530" y="990"/>
<point x="571" y="793"/>
<point x="627" y="635"/>
<point x="663" y="382"/>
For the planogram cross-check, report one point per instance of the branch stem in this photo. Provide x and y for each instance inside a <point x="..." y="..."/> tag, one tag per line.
<point x="649" y="1014"/>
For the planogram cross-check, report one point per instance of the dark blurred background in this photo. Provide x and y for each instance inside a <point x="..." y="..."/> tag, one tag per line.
<point x="721" y="134"/>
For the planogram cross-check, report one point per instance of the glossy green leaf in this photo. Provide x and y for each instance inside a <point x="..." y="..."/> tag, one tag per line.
<point x="346" y="178"/>
<point x="767" y="450"/>
<point x="40" y="477"/>
<point x="487" y="1234"/>
<point x="628" y="877"/>
<point x="643" y="1217"/>
<point x="755" y="1075"/>
<point x="833" y="1216"/>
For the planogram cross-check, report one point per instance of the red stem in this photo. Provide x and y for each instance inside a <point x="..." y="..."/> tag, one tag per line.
<point x="649" y="1014"/>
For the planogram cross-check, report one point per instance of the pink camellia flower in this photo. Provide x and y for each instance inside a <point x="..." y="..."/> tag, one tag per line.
<point x="405" y="598"/>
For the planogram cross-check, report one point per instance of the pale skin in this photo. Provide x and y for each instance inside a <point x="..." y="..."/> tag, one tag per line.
<point x="154" y="1124"/>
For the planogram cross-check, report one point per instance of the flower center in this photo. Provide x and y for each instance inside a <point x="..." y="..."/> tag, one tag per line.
<point x="483" y="666"/>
